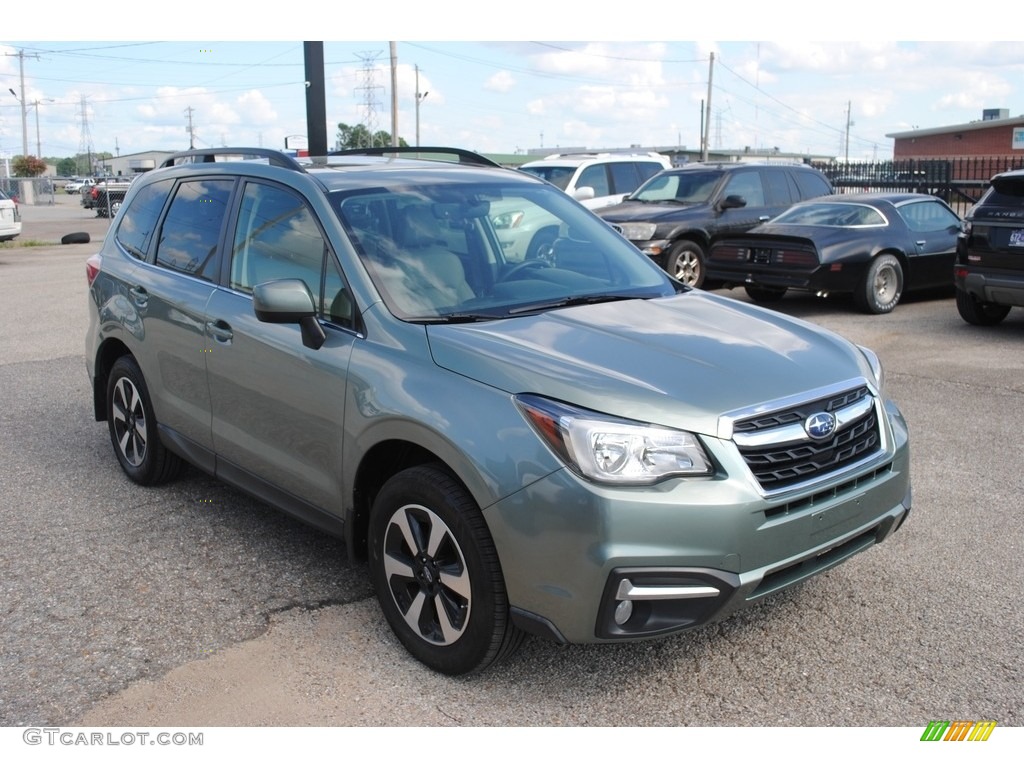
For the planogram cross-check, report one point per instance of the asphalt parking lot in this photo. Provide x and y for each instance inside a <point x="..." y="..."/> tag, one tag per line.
<point x="193" y="605"/>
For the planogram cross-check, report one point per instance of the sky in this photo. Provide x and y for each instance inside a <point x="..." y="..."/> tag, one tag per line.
<point x="773" y="84"/>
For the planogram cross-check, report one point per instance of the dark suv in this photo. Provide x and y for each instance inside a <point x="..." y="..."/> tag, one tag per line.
<point x="989" y="270"/>
<point x="674" y="215"/>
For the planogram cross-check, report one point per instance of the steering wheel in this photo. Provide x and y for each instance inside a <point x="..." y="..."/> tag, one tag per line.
<point x="526" y="266"/>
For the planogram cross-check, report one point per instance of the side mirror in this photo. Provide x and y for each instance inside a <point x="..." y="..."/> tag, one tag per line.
<point x="584" y="193"/>
<point x="289" y="301"/>
<point x="733" y="201"/>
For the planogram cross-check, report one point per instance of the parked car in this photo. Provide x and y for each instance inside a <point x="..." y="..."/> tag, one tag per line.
<point x="873" y="246"/>
<point x="674" y="215"/>
<point x="989" y="271"/>
<point x="511" y="450"/>
<point x="594" y="180"/>
<point x="10" y="218"/>
<point x="75" y="185"/>
<point x="598" y="179"/>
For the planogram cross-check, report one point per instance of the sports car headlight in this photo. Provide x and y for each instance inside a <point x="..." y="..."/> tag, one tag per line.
<point x="637" y="230"/>
<point x="610" y="450"/>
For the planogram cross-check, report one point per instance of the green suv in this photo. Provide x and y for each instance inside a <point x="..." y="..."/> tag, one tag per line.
<point x="575" y="446"/>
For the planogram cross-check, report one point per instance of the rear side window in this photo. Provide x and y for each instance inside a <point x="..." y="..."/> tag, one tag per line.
<point x="624" y="177"/>
<point x="191" y="231"/>
<point x="140" y="218"/>
<point x="779" y="192"/>
<point x="811" y="185"/>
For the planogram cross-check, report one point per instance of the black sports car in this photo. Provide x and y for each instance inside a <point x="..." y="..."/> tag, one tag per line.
<point x="871" y="245"/>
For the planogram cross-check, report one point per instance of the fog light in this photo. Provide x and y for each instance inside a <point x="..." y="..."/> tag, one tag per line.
<point x="623" y="611"/>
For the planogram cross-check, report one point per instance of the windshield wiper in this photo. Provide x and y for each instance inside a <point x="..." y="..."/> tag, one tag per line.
<point x="458" y="317"/>
<point x="572" y="301"/>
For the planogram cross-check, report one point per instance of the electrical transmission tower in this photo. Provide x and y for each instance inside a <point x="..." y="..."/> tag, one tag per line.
<point x="370" y="90"/>
<point x="84" y="143"/>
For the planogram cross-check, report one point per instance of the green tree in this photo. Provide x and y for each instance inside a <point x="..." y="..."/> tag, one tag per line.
<point x="28" y="165"/>
<point x="357" y="136"/>
<point x="66" y="167"/>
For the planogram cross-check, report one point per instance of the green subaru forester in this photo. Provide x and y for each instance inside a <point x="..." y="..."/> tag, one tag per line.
<point x="574" y="445"/>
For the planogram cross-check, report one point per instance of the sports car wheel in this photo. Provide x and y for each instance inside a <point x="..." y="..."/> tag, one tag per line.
<point x="436" y="573"/>
<point x="882" y="286"/>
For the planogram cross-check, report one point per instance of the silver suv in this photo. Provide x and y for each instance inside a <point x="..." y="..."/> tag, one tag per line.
<point x="511" y="450"/>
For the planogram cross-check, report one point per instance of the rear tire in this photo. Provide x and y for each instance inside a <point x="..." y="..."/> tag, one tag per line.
<point x="978" y="312"/>
<point x="880" y="290"/>
<point x="133" y="427"/>
<point x="436" y="573"/>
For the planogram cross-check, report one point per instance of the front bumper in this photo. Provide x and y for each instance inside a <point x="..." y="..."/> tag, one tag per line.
<point x="683" y="553"/>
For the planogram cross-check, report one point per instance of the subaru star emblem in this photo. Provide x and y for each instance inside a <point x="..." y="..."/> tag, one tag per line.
<point x="820" y="425"/>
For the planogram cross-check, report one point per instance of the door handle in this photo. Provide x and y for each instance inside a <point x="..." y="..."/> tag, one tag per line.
<point x="220" y="330"/>
<point x="139" y="295"/>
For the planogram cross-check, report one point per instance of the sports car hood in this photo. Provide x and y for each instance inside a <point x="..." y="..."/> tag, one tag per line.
<point x="680" y="361"/>
<point x="630" y="210"/>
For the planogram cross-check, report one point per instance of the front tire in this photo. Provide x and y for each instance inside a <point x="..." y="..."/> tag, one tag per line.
<point x="882" y="286"/>
<point x="436" y="573"/>
<point x="686" y="263"/>
<point x="133" y="427"/>
<point x="978" y="312"/>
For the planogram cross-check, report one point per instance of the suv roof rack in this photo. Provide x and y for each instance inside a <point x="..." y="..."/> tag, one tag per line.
<point x="462" y="156"/>
<point x="228" y="154"/>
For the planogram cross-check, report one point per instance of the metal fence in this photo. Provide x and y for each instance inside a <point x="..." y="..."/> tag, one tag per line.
<point x="960" y="181"/>
<point x="38" y="190"/>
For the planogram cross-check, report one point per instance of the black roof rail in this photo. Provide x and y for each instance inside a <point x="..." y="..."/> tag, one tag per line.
<point x="272" y="156"/>
<point x="462" y="156"/>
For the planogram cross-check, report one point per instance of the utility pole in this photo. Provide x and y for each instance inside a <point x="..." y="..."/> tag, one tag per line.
<point x="419" y="98"/>
<point x="848" y="124"/>
<point x="190" y="128"/>
<point x="21" y="98"/>
<point x="39" y="144"/>
<point x="707" y="113"/>
<point x="394" y="94"/>
<point x="316" y="98"/>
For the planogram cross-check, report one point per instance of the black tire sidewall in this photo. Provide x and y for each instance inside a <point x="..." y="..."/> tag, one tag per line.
<point x="146" y="473"/>
<point x="435" y="490"/>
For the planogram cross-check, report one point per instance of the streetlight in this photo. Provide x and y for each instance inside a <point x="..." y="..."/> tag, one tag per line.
<point x="419" y="98"/>
<point x="39" y="145"/>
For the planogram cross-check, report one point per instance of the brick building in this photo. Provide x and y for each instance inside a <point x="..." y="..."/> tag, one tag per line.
<point x="995" y="135"/>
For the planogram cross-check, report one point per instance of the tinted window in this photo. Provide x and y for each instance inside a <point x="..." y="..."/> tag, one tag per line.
<point x="624" y="177"/>
<point x="190" y="233"/>
<point x="685" y="187"/>
<point x="646" y="170"/>
<point x="811" y="184"/>
<point x="139" y="220"/>
<point x="778" y="187"/>
<point x="276" y="237"/>
<point x="746" y="184"/>
<point x="928" y="216"/>
<point x="596" y="177"/>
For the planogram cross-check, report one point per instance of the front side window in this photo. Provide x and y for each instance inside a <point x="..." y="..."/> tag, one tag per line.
<point x="928" y="216"/>
<point x="276" y="237"/>
<point x="746" y="184"/>
<point x="596" y="177"/>
<point x="190" y="234"/>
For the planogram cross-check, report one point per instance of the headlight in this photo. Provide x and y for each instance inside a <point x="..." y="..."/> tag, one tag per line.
<point x="638" y="230"/>
<point x="876" y="368"/>
<point x="508" y="220"/>
<point x="610" y="450"/>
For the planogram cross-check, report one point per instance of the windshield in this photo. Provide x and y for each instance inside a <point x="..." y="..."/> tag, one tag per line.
<point x="679" y="187"/>
<point x="559" y="175"/>
<point x="832" y="215"/>
<point x="459" y="252"/>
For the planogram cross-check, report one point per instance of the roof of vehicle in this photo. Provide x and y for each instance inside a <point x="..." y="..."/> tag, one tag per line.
<point x="576" y="159"/>
<point x="354" y="168"/>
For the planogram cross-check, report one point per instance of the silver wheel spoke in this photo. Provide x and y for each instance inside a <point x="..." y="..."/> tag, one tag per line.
<point x="395" y="567"/>
<point x="457" y="583"/>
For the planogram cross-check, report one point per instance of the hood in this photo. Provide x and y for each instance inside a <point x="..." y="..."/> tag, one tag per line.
<point x="631" y="210"/>
<point x="680" y="361"/>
